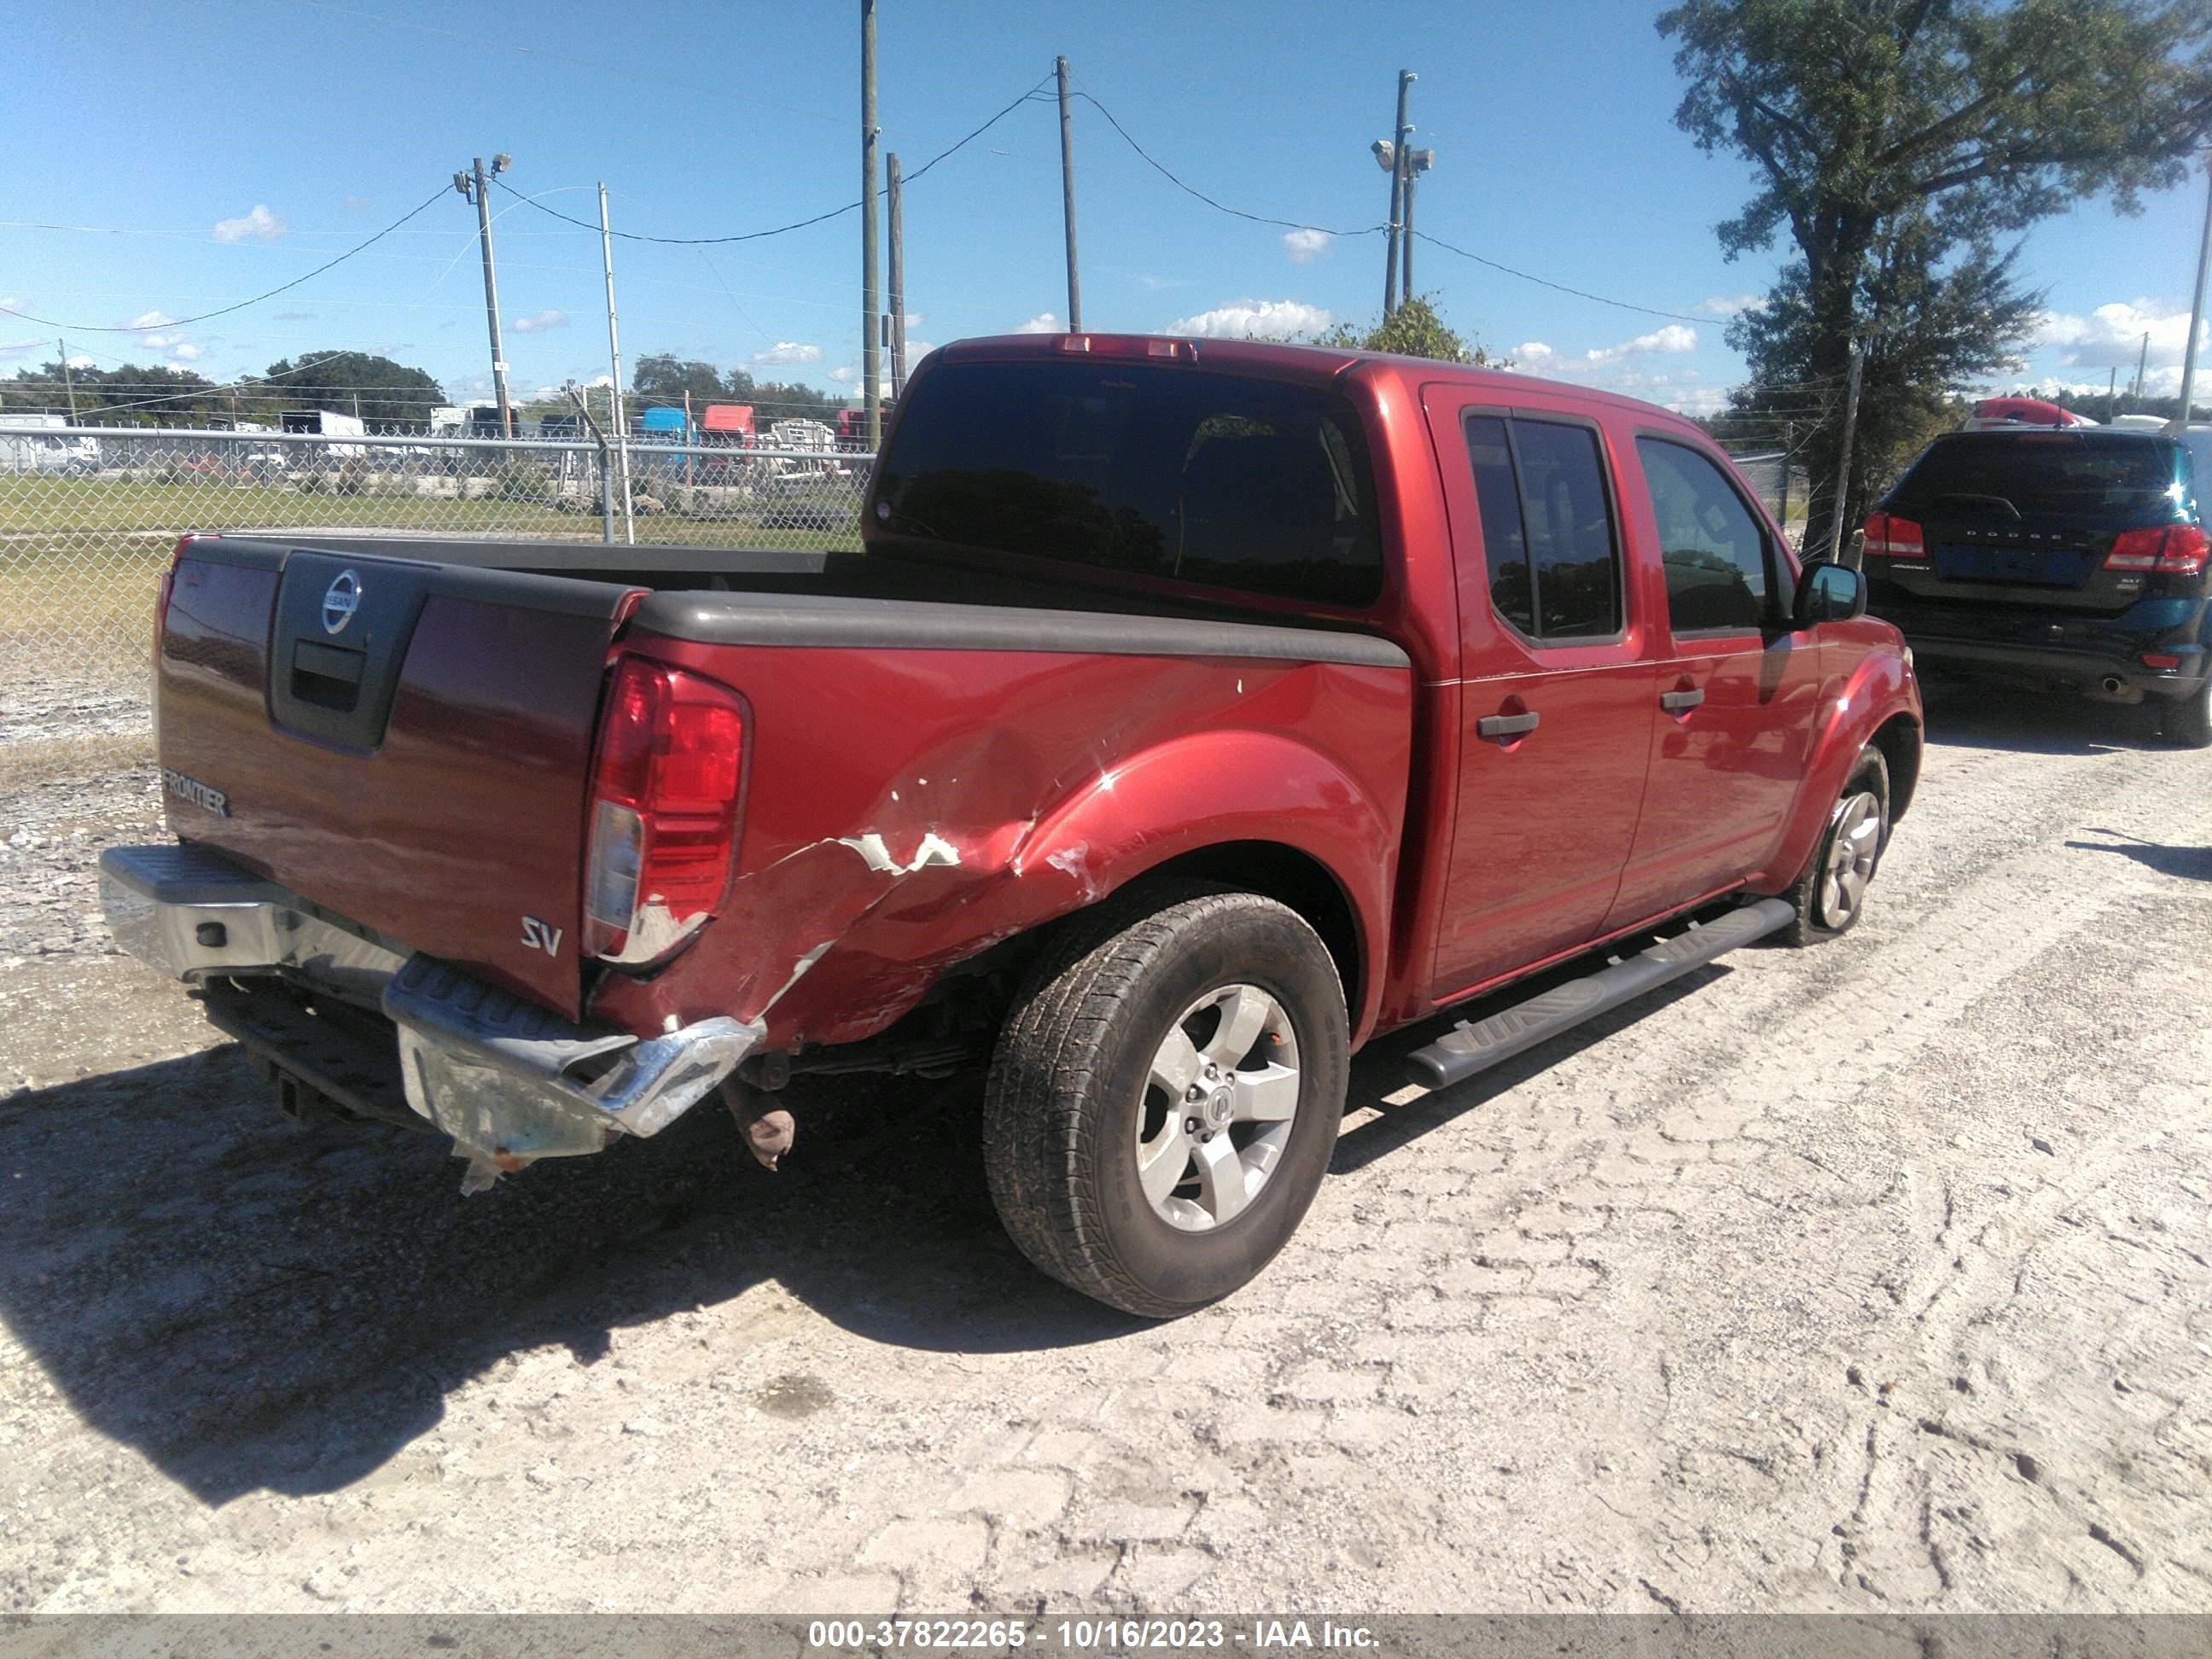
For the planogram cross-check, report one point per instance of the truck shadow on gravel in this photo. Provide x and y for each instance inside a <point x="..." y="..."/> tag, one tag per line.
<point x="1969" y="714"/>
<point x="251" y="1303"/>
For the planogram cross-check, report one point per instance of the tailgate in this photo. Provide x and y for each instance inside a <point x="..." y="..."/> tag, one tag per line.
<point x="2036" y="562"/>
<point x="406" y="744"/>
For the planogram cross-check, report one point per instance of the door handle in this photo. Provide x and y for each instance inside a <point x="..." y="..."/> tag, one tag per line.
<point x="1680" y="703"/>
<point x="1506" y="725"/>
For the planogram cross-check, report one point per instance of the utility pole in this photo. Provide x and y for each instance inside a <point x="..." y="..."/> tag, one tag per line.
<point x="2195" y="316"/>
<point x="473" y="185"/>
<point x="1415" y="163"/>
<point x="69" y="380"/>
<point x="1067" y="199"/>
<point x="614" y="367"/>
<point x="1395" y="162"/>
<point x="871" y="361"/>
<point x="2142" y="370"/>
<point x="897" y="273"/>
<point x="1782" y="512"/>
<point x="1843" y="461"/>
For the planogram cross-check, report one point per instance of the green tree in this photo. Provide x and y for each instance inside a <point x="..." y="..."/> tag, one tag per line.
<point x="390" y="394"/>
<point x="661" y="380"/>
<point x="1920" y="132"/>
<point x="155" y="395"/>
<point x="1413" y="329"/>
<point x="1932" y="328"/>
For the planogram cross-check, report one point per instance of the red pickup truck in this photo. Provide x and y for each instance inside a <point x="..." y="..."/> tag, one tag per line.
<point x="1193" y="712"/>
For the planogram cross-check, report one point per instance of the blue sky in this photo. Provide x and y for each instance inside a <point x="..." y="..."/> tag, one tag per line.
<point x="204" y="153"/>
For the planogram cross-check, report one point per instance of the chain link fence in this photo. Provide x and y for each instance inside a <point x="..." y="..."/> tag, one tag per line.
<point x="88" y="516"/>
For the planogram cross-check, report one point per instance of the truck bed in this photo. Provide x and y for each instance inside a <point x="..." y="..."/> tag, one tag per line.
<point x="423" y="768"/>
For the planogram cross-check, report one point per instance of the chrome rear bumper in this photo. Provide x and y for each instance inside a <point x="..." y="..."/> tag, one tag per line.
<point x="509" y="1081"/>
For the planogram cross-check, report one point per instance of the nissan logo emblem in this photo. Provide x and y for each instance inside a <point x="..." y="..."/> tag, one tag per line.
<point x="340" y="602"/>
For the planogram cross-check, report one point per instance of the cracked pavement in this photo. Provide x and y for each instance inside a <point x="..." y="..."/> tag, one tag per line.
<point x="1877" y="1276"/>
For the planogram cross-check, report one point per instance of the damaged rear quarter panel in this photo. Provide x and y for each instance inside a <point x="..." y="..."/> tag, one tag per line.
<point x="907" y="810"/>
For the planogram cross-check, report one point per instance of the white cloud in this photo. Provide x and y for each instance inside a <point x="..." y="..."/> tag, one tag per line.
<point x="538" y="322"/>
<point x="1246" y="318"/>
<point x="80" y="362"/>
<point x="1303" y="244"/>
<point x="156" y="342"/>
<point x="1721" y="304"/>
<point x="917" y="350"/>
<point x="844" y="375"/>
<point x="787" y="351"/>
<point x="151" y="320"/>
<point x="1672" y="337"/>
<point x="1536" y="357"/>
<point x="1698" y="400"/>
<point x="2113" y="334"/>
<point x="260" y="225"/>
<point x="1045" y="322"/>
<point x="185" y="352"/>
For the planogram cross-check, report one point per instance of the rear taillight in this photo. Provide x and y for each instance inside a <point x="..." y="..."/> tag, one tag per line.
<point x="2172" y="551"/>
<point x="664" y="810"/>
<point x="1888" y="536"/>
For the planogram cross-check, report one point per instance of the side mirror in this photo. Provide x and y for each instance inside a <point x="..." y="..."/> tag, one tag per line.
<point x="1827" y="592"/>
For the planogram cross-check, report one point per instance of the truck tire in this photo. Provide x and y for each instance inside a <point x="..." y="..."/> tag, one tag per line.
<point x="1830" y="896"/>
<point x="2189" y="722"/>
<point x="1165" y="1097"/>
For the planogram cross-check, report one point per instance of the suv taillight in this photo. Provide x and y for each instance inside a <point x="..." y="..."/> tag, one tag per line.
<point x="663" y="820"/>
<point x="2173" y="551"/>
<point x="1888" y="536"/>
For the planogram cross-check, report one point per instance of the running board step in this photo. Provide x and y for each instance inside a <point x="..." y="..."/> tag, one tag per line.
<point x="1475" y="1046"/>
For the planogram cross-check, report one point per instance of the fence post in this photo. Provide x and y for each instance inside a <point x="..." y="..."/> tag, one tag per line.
<point x="606" y="495"/>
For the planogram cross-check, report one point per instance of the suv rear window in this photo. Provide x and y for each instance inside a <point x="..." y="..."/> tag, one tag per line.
<point x="1153" y="469"/>
<point x="2050" y="473"/>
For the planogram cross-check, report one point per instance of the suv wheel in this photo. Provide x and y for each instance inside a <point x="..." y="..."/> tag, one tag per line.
<point x="1165" y="1097"/>
<point x="2189" y="722"/>
<point x="1830" y="896"/>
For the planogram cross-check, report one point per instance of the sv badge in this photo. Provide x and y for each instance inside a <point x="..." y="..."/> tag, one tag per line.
<point x="537" y="935"/>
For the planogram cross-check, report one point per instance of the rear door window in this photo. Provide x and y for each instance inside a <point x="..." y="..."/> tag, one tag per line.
<point x="1155" y="470"/>
<point x="1714" y="551"/>
<point x="1547" y="528"/>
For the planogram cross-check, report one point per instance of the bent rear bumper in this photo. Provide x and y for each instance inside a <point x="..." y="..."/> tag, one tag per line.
<point x="509" y="1081"/>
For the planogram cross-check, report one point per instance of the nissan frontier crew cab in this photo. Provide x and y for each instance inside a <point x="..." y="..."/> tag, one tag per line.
<point x="1192" y="712"/>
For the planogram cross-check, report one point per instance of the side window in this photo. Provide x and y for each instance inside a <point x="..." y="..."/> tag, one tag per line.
<point x="1546" y="527"/>
<point x="1713" y="550"/>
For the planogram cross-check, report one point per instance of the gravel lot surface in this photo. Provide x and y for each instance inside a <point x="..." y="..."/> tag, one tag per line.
<point x="1877" y="1276"/>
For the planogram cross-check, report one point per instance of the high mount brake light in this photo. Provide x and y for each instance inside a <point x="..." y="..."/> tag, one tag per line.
<point x="1888" y="536"/>
<point x="1130" y="345"/>
<point x="663" y="825"/>
<point x="2169" y="550"/>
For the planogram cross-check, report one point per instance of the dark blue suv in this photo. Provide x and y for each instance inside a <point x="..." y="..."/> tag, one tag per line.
<point x="2070" y="558"/>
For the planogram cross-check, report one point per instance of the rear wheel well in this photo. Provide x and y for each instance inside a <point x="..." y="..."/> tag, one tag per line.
<point x="1289" y="877"/>
<point x="1898" y="740"/>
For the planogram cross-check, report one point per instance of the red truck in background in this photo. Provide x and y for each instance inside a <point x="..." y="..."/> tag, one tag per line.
<point x="1193" y="712"/>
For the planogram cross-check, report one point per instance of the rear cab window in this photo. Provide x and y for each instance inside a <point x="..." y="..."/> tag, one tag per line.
<point x="1160" y="471"/>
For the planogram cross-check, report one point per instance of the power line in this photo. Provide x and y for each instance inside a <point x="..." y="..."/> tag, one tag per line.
<point x="778" y="230"/>
<point x="1562" y="287"/>
<point x="1193" y="190"/>
<point x="1434" y="241"/>
<point x="181" y="322"/>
